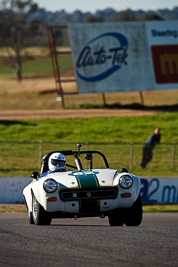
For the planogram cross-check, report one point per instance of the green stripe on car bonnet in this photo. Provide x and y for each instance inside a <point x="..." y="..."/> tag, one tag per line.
<point x="87" y="180"/>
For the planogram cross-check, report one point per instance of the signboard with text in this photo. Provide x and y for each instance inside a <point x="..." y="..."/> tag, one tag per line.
<point x="159" y="190"/>
<point x="124" y="56"/>
<point x="163" y="43"/>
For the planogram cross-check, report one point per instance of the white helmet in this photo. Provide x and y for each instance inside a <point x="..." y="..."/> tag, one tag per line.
<point x="57" y="161"/>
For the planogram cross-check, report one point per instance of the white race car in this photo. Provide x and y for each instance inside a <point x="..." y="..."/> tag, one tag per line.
<point x="81" y="192"/>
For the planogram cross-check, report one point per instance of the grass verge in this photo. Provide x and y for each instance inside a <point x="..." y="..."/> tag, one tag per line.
<point x="160" y="208"/>
<point x="146" y="208"/>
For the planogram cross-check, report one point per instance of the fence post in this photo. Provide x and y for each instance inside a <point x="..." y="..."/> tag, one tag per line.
<point x="173" y="155"/>
<point x="131" y="155"/>
<point x="40" y="153"/>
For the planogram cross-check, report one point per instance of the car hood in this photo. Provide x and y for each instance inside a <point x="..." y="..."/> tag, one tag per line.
<point x="84" y="178"/>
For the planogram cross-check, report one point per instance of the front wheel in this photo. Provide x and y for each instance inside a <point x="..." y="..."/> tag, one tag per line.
<point x="30" y="217"/>
<point x="40" y="216"/>
<point x="133" y="215"/>
<point x="116" y="218"/>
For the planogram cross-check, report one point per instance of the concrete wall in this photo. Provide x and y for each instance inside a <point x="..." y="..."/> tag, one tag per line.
<point x="153" y="190"/>
<point x="159" y="190"/>
<point x="11" y="189"/>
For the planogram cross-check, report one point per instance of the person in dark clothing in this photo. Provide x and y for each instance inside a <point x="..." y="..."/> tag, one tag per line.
<point x="148" y="146"/>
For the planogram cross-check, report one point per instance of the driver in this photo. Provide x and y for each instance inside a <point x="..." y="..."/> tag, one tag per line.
<point x="57" y="162"/>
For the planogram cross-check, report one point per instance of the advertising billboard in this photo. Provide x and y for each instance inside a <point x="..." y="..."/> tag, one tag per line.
<point x="124" y="56"/>
<point x="163" y="43"/>
<point x="159" y="190"/>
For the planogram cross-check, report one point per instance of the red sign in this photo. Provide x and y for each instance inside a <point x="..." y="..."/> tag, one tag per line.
<point x="165" y="62"/>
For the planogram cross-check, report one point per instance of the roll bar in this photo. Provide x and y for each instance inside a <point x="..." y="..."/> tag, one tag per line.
<point x="76" y="154"/>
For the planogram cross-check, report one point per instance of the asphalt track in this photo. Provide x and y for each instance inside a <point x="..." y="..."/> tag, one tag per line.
<point x="89" y="242"/>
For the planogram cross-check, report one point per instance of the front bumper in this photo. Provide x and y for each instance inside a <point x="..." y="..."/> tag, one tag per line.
<point x="90" y="202"/>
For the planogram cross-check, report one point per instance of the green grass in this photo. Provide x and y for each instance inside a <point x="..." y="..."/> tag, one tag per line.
<point x="38" y="66"/>
<point x="13" y="208"/>
<point x="111" y="129"/>
<point x="111" y="135"/>
<point x="43" y="65"/>
<point x="160" y="208"/>
<point x="146" y="208"/>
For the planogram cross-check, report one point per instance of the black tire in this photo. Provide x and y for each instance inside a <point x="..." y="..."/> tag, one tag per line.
<point x="116" y="218"/>
<point x="40" y="216"/>
<point x="30" y="217"/>
<point x="133" y="215"/>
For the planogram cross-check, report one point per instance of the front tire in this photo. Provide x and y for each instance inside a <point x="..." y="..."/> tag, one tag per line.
<point x="133" y="215"/>
<point x="116" y="218"/>
<point x="40" y="216"/>
<point x="30" y="217"/>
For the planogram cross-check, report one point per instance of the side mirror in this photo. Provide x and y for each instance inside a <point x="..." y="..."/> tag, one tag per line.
<point x="35" y="175"/>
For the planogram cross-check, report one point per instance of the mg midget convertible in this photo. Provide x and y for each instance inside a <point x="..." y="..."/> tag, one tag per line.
<point x="72" y="188"/>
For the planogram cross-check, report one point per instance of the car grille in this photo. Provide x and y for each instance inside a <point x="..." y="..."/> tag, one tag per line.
<point x="79" y="194"/>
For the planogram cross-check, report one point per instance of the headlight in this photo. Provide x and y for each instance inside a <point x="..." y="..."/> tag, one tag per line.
<point x="50" y="185"/>
<point x="126" y="181"/>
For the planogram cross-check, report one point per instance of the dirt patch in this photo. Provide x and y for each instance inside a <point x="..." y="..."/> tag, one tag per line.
<point x="71" y="113"/>
<point x="40" y="93"/>
<point x="40" y="97"/>
<point x="31" y="84"/>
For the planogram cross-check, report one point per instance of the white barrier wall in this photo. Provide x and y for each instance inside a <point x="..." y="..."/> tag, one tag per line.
<point x="11" y="189"/>
<point x="153" y="190"/>
<point x="159" y="190"/>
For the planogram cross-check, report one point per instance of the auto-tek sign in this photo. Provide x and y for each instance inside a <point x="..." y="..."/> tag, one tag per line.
<point x="124" y="56"/>
<point x="103" y="59"/>
<point x="107" y="57"/>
